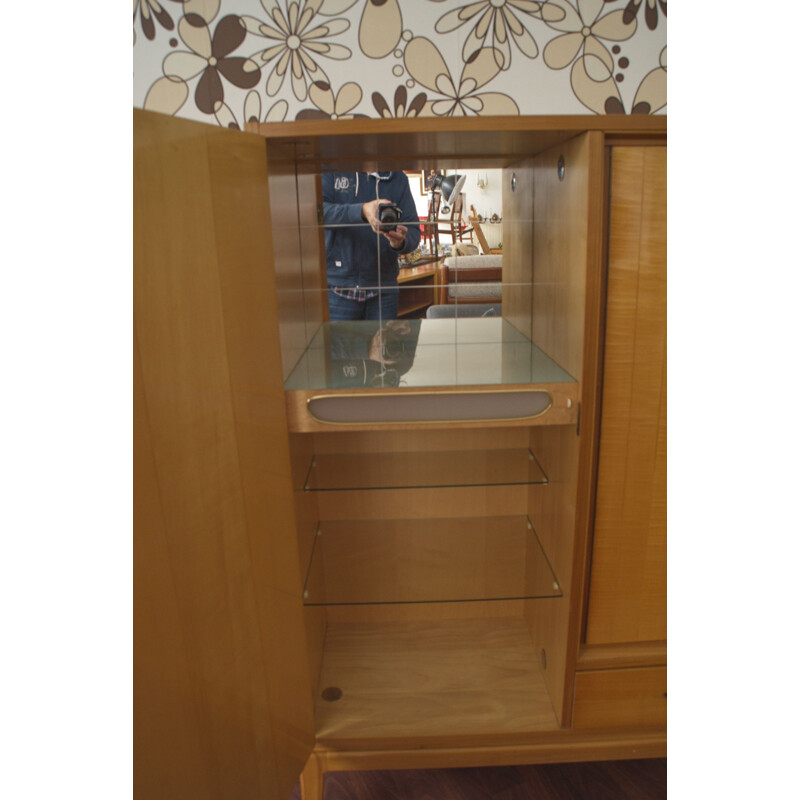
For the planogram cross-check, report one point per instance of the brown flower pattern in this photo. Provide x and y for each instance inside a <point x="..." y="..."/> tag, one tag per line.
<point x="298" y="41"/>
<point x="495" y="24"/>
<point x="401" y="107"/>
<point x="330" y="105"/>
<point x="583" y="29"/>
<point x="210" y="57"/>
<point x="441" y="58"/>
<point x="650" y="10"/>
<point x="150" y="10"/>
<point x="426" y="65"/>
<point x="592" y="73"/>
<point x="251" y="112"/>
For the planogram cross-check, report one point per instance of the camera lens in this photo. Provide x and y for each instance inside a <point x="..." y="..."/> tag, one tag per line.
<point x="393" y="349"/>
<point x="389" y="215"/>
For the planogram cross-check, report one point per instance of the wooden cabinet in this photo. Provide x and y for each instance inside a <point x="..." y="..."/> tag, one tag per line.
<point x="386" y="592"/>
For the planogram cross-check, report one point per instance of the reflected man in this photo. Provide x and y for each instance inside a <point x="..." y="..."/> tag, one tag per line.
<point x="362" y="254"/>
<point x="372" y="354"/>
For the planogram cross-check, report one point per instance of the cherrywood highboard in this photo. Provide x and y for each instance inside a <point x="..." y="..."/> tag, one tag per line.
<point x="427" y="590"/>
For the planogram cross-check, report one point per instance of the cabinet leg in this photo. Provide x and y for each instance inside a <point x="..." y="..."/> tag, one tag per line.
<point x="311" y="780"/>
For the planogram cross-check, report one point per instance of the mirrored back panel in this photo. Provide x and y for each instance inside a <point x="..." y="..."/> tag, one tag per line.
<point x="441" y="275"/>
<point x="408" y="260"/>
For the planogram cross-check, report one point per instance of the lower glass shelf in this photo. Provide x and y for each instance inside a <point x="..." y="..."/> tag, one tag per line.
<point x="421" y="469"/>
<point x="357" y="562"/>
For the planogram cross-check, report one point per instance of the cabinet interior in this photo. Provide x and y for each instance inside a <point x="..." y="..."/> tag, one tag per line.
<point x="438" y="557"/>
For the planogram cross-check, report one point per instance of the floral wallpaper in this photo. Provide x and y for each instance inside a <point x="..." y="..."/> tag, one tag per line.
<point x="230" y="61"/>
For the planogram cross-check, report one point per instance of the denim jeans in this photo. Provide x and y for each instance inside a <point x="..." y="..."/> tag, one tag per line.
<point x="384" y="306"/>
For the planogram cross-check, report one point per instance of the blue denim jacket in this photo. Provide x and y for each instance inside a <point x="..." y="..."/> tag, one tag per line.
<point x="353" y="250"/>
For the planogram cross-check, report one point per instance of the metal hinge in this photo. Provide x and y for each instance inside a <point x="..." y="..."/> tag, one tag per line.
<point x="578" y="429"/>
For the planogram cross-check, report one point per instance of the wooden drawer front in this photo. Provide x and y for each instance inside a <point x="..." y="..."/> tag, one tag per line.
<point x="621" y="698"/>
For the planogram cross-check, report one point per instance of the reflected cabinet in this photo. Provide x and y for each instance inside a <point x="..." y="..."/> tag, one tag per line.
<point x="399" y="499"/>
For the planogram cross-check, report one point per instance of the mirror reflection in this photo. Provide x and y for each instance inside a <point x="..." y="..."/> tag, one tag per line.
<point x="372" y="354"/>
<point x="409" y="245"/>
<point x="370" y="220"/>
<point x="422" y="353"/>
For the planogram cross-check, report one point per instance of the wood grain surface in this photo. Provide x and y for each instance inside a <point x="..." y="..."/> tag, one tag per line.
<point x="222" y="701"/>
<point x="621" y="698"/>
<point x="518" y="249"/>
<point x="627" y="601"/>
<point x="431" y="682"/>
<point x="567" y="236"/>
<point x="441" y="143"/>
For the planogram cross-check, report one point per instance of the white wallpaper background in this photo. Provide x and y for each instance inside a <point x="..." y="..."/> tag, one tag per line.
<point x="229" y="61"/>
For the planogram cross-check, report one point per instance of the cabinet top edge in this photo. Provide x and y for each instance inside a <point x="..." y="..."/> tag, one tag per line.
<point x="447" y="143"/>
<point x="638" y="124"/>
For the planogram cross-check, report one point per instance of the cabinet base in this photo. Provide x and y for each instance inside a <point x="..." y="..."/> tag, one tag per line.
<point x="558" y="747"/>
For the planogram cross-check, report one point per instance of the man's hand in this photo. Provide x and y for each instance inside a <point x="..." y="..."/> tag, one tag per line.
<point x="397" y="237"/>
<point x="370" y="212"/>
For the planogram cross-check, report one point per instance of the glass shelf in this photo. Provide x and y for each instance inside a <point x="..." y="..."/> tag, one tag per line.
<point x="357" y="562"/>
<point x="423" y="469"/>
<point x="484" y="351"/>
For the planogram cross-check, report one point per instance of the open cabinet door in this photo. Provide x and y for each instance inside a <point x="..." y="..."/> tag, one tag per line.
<point x="222" y="693"/>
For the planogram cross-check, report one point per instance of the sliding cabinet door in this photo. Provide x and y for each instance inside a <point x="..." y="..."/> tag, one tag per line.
<point x="622" y="676"/>
<point x="627" y="600"/>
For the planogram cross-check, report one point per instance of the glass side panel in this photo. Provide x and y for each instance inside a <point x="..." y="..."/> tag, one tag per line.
<point x="428" y="561"/>
<point x="422" y="352"/>
<point x="420" y="469"/>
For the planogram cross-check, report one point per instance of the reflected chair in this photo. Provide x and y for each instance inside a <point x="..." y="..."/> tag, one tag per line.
<point x="472" y="279"/>
<point x="452" y="226"/>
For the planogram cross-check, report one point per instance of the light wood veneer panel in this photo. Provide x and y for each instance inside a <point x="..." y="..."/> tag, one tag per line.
<point x="629" y="654"/>
<point x="567" y="251"/>
<point x="284" y="226"/>
<point x="222" y="692"/>
<point x="433" y="682"/>
<point x="560" y="249"/>
<point x="621" y="698"/>
<point x="627" y="599"/>
<point x="518" y="257"/>
<point x="312" y="249"/>
<point x="544" y="747"/>
<point x="448" y="143"/>
<point x="472" y="501"/>
<point x="415" y="440"/>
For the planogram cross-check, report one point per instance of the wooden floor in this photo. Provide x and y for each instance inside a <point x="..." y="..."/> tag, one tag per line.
<point x="644" y="779"/>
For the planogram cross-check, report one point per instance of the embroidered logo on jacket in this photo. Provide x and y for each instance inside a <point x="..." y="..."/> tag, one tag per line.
<point x="341" y="184"/>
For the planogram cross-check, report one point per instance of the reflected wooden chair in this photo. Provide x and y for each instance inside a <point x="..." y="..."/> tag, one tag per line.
<point x="475" y="226"/>
<point x="452" y="226"/>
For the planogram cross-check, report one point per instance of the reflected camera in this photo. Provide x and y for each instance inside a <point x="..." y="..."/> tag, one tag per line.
<point x="393" y="346"/>
<point x="389" y="214"/>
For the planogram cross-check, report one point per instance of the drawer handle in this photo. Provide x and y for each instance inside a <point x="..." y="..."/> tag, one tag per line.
<point x="393" y="407"/>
